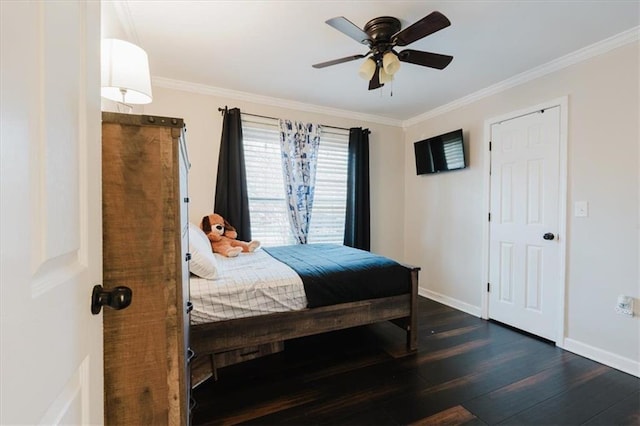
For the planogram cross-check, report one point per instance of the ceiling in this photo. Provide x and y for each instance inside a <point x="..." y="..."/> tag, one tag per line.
<point x="266" y="48"/>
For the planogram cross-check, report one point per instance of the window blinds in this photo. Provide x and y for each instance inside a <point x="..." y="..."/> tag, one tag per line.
<point x="265" y="185"/>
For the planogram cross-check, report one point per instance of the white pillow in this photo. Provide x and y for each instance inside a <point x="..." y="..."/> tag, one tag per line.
<point x="203" y="263"/>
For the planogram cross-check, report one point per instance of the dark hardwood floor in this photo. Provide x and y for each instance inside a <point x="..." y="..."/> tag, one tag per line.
<point x="466" y="371"/>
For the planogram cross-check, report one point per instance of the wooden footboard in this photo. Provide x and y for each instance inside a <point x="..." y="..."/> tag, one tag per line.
<point x="209" y="340"/>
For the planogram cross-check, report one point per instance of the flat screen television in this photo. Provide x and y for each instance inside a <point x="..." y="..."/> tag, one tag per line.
<point x="440" y="153"/>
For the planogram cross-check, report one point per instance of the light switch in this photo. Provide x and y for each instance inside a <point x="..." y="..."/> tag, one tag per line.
<point x="581" y="209"/>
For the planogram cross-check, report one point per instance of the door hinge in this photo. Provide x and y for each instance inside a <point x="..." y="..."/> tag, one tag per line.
<point x="489" y="216"/>
<point x="488" y="287"/>
<point x="489" y="145"/>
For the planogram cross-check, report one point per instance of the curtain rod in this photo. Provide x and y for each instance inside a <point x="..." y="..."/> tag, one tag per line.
<point x="275" y="118"/>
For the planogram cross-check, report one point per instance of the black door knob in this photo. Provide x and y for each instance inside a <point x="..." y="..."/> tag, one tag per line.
<point x="117" y="298"/>
<point x="548" y="236"/>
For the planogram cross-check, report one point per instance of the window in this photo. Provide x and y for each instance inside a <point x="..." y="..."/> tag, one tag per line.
<point x="330" y="199"/>
<point x="265" y="184"/>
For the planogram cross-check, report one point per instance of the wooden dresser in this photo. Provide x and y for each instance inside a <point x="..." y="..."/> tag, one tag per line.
<point x="145" y="244"/>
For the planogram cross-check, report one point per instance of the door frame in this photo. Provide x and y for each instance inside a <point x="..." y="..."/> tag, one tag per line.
<point x="563" y="103"/>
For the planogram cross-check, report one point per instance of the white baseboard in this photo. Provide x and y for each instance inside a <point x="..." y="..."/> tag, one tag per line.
<point x="612" y="360"/>
<point x="449" y="301"/>
<point x="626" y="365"/>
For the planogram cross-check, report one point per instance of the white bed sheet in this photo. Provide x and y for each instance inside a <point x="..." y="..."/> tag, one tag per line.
<point x="248" y="285"/>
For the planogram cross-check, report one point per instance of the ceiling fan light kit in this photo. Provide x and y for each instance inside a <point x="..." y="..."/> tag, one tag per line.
<point x="382" y="35"/>
<point x="367" y="69"/>
<point x="390" y="63"/>
<point x="384" y="76"/>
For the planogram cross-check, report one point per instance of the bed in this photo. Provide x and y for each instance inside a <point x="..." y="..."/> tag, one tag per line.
<point x="258" y="300"/>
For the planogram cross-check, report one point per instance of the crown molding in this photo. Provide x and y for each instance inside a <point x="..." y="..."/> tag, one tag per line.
<point x="203" y="89"/>
<point x="126" y="20"/>
<point x="599" y="48"/>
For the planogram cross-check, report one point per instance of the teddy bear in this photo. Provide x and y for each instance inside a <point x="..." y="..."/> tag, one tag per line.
<point x="223" y="237"/>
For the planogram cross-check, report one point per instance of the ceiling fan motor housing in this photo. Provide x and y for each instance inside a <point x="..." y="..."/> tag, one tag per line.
<point x="380" y="31"/>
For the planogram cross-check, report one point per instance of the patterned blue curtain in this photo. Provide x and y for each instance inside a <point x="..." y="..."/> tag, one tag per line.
<point x="299" y="143"/>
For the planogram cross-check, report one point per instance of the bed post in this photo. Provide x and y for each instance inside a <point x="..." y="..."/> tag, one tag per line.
<point x="412" y="332"/>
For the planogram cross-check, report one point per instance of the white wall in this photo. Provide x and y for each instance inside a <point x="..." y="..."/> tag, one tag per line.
<point x="204" y="127"/>
<point x="444" y="213"/>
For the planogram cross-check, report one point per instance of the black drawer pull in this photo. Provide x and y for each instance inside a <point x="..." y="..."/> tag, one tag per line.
<point x="190" y="355"/>
<point x="189" y="307"/>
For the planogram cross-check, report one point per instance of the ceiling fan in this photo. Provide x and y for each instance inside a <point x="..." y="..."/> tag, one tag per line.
<point x="383" y="35"/>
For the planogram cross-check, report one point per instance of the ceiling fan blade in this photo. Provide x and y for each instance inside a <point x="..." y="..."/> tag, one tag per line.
<point x="338" y="61"/>
<point x="426" y="59"/>
<point x="348" y="28"/>
<point x="431" y="23"/>
<point x="374" y="83"/>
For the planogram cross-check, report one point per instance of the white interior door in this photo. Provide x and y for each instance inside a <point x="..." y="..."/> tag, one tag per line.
<point x="524" y="254"/>
<point x="51" y="249"/>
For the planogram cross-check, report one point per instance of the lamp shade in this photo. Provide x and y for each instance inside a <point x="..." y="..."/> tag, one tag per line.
<point x="367" y="69"/>
<point x="391" y="63"/>
<point x="384" y="76"/>
<point x="125" y="72"/>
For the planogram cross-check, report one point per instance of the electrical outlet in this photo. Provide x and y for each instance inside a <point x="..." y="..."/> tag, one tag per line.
<point x="624" y="306"/>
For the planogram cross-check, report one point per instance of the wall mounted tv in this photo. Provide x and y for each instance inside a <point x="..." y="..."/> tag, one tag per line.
<point x="440" y="153"/>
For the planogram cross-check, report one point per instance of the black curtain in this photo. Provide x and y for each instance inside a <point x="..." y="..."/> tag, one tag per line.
<point x="231" y="200"/>
<point x="357" y="228"/>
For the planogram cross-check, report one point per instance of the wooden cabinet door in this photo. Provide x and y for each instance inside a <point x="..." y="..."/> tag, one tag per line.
<point x="144" y="345"/>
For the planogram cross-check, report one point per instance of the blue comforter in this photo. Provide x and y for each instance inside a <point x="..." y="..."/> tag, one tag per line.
<point x="334" y="274"/>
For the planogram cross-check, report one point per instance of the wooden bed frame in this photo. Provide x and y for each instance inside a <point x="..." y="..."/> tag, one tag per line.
<point x="223" y="343"/>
